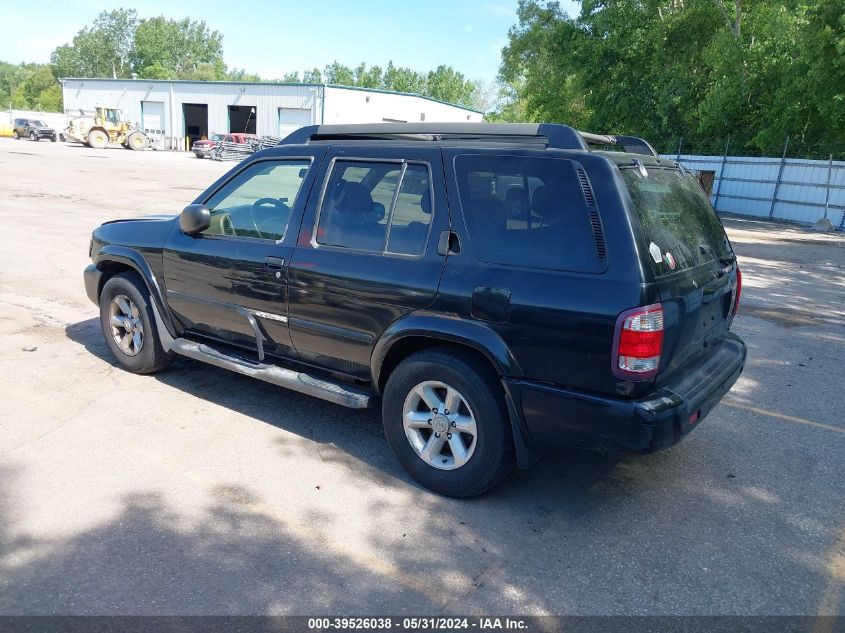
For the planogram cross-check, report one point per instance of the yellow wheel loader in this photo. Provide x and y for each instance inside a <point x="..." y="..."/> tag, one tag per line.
<point x="102" y="128"/>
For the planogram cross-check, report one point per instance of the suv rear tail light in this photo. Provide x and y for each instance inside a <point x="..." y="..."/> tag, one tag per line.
<point x="638" y="342"/>
<point x="738" y="291"/>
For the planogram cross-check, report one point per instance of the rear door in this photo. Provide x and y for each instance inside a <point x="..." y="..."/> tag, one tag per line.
<point x="367" y="252"/>
<point x="685" y="249"/>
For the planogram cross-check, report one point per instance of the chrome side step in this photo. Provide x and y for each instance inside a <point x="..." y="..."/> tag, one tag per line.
<point x="297" y="381"/>
<point x="338" y="393"/>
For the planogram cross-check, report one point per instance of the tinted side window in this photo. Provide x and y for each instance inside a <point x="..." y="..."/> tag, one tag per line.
<point x="524" y="211"/>
<point x="258" y="201"/>
<point x="377" y="207"/>
<point x="411" y="216"/>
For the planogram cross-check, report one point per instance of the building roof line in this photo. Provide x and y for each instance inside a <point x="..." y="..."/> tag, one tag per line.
<point x="404" y="94"/>
<point x="274" y="83"/>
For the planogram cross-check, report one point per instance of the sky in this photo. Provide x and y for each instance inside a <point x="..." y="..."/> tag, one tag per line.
<point x="272" y="38"/>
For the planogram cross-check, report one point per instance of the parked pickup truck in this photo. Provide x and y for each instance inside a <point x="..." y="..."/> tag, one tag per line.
<point x="389" y="262"/>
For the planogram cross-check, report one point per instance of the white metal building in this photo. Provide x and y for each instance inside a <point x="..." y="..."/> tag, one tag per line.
<point x="176" y="113"/>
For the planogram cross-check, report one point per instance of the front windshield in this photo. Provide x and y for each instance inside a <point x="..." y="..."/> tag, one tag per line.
<point x="39" y="123"/>
<point x="217" y="137"/>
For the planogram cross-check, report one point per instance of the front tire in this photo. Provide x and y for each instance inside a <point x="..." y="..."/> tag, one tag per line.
<point x="128" y="325"/>
<point x="457" y="452"/>
<point x="33" y="136"/>
<point x="136" y="141"/>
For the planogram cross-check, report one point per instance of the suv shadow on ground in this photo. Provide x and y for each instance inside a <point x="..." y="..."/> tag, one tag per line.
<point x="342" y="435"/>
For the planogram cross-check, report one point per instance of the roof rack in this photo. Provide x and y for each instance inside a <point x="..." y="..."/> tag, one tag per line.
<point x="550" y="135"/>
<point x="631" y="144"/>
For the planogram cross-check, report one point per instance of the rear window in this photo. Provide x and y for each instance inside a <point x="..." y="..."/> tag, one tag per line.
<point x="680" y="226"/>
<point x="524" y="211"/>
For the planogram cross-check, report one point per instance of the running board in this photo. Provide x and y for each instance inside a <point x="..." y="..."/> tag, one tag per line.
<point x="297" y="381"/>
<point x="336" y="392"/>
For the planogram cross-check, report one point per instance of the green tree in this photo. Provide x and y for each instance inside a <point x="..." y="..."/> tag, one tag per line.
<point x="312" y="76"/>
<point x="368" y="77"/>
<point x="336" y="73"/>
<point x="706" y="70"/>
<point x="402" y="79"/>
<point x="29" y="87"/>
<point x="188" y="49"/>
<point x="240" y="74"/>
<point x="101" y="50"/>
<point x="447" y="84"/>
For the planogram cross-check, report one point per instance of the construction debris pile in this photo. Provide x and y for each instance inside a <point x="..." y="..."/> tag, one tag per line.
<point x="226" y="150"/>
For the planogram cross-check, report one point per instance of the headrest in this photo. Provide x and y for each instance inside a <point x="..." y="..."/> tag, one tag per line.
<point x="425" y="202"/>
<point x="547" y="203"/>
<point x="356" y="198"/>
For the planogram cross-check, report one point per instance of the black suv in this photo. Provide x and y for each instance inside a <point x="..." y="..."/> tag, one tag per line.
<point x="33" y="129"/>
<point x="499" y="287"/>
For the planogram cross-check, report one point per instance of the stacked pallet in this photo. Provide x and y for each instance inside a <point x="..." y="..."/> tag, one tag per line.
<point x="226" y="150"/>
<point x="263" y="142"/>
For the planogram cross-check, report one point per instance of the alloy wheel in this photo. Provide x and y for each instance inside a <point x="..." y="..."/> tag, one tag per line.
<point x="439" y="425"/>
<point x="126" y="326"/>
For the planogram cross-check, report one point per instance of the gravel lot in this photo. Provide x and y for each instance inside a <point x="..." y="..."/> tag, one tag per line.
<point x="198" y="491"/>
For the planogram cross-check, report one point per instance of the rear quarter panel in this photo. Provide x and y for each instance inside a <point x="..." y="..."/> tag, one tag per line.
<point x="560" y="325"/>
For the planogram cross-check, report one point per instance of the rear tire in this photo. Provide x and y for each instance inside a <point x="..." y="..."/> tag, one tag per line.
<point x="478" y="426"/>
<point x="98" y="139"/>
<point x="15" y="135"/>
<point x="124" y="306"/>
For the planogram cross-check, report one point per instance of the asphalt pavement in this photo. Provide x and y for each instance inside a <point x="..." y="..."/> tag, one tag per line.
<point x="198" y="491"/>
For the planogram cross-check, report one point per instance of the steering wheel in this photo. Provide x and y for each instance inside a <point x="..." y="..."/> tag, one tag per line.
<point x="269" y="209"/>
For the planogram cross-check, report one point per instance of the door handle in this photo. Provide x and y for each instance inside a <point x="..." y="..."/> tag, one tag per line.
<point x="274" y="263"/>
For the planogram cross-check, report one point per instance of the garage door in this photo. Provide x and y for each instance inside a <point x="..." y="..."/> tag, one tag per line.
<point x="291" y="119"/>
<point x="152" y="117"/>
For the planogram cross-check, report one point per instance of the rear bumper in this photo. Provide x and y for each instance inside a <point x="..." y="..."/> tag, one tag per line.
<point x="555" y="415"/>
<point x="92" y="276"/>
<point x="202" y="151"/>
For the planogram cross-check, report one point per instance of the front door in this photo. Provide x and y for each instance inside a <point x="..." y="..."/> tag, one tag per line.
<point x="229" y="282"/>
<point x="367" y="252"/>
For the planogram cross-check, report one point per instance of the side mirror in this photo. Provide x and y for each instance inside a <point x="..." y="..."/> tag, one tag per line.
<point x="195" y="218"/>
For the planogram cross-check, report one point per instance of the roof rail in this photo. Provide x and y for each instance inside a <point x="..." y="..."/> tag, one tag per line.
<point x="549" y="134"/>
<point x="632" y="144"/>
